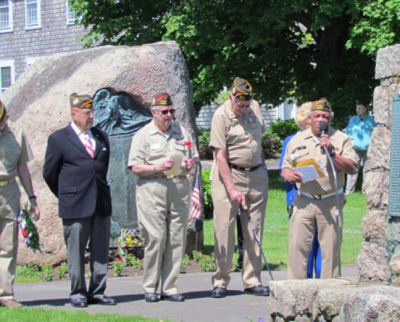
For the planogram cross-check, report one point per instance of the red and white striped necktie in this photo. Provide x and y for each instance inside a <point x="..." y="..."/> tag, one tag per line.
<point x="88" y="145"/>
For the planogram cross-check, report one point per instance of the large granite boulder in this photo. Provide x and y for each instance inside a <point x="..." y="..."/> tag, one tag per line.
<point x="39" y="103"/>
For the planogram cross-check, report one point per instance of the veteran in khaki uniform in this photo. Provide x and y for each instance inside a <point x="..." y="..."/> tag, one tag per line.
<point x="161" y="158"/>
<point x="14" y="155"/>
<point x="239" y="180"/>
<point x="318" y="204"/>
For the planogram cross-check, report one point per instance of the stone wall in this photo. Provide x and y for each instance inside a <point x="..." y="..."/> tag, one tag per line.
<point x="379" y="256"/>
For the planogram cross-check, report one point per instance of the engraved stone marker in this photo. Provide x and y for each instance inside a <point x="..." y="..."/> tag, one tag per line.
<point x="394" y="188"/>
<point x="120" y="117"/>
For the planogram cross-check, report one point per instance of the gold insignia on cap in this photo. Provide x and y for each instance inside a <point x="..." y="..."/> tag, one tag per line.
<point x="322" y="105"/>
<point x="81" y="101"/>
<point x="242" y="89"/>
<point x="162" y="99"/>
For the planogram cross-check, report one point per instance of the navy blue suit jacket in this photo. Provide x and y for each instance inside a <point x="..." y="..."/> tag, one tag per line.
<point x="78" y="181"/>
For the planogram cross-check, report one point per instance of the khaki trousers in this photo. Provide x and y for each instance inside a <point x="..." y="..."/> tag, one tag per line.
<point x="255" y="187"/>
<point x="308" y="213"/>
<point x="351" y="179"/>
<point x="9" y="209"/>
<point x="163" y="209"/>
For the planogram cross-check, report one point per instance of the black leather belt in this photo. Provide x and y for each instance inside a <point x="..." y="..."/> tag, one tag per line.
<point x="236" y="167"/>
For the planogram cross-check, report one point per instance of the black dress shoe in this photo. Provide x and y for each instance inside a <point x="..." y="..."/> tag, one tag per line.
<point x="218" y="292"/>
<point x="79" y="302"/>
<point x="173" y="297"/>
<point x="258" y="290"/>
<point x="102" y="299"/>
<point x="151" y="297"/>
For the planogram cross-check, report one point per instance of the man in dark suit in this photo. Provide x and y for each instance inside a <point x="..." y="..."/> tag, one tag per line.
<point x="75" y="170"/>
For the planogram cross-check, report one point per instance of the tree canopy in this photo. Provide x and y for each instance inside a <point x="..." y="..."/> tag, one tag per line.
<point x="287" y="49"/>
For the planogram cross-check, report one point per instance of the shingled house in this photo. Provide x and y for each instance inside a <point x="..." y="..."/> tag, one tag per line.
<point x="32" y="29"/>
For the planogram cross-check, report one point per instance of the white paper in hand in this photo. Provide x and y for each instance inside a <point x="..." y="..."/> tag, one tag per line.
<point x="176" y="169"/>
<point x="308" y="173"/>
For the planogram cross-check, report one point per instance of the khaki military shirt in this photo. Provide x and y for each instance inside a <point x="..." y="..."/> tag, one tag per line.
<point x="240" y="137"/>
<point x="153" y="147"/>
<point x="14" y="150"/>
<point x="304" y="146"/>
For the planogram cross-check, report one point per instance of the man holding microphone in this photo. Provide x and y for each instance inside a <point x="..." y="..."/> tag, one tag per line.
<point x="320" y="201"/>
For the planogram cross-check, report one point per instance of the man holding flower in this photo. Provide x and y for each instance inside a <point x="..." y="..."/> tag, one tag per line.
<point x="14" y="155"/>
<point x="161" y="156"/>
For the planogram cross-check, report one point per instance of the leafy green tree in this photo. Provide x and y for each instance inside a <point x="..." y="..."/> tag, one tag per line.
<point x="377" y="25"/>
<point x="291" y="48"/>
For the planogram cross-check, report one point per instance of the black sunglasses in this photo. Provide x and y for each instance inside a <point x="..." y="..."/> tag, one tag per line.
<point x="165" y="112"/>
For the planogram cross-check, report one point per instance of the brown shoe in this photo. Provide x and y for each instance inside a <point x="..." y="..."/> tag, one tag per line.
<point x="12" y="303"/>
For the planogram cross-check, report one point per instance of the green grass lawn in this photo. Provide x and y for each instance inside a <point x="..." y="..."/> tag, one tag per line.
<point x="276" y="232"/>
<point x="36" y="314"/>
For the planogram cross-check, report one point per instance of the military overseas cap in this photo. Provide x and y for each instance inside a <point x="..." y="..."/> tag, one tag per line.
<point x="3" y="111"/>
<point x="241" y="89"/>
<point x="322" y="104"/>
<point x="162" y="99"/>
<point x="81" y="101"/>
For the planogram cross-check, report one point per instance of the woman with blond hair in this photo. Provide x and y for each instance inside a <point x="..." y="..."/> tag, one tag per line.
<point x="314" y="259"/>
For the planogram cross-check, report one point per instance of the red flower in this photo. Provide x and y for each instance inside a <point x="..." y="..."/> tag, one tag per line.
<point x="24" y="233"/>
<point x="188" y="144"/>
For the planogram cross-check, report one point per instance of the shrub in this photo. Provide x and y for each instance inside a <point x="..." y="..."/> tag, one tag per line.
<point x="62" y="270"/>
<point x="207" y="199"/>
<point x="283" y="128"/>
<point x="46" y="272"/>
<point x="206" y="262"/>
<point x="184" y="263"/>
<point x="28" y="273"/>
<point x="205" y="152"/>
<point x="271" y="144"/>
<point x="134" y="262"/>
<point x="119" y="268"/>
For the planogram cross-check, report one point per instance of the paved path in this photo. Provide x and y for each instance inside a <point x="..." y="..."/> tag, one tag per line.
<point x="196" y="287"/>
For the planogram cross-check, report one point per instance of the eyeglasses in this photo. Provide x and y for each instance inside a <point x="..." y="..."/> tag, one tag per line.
<point x="165" y="112"/>
<point x="242" y="104"/>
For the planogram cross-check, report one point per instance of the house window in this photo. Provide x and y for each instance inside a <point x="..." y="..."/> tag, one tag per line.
<point x="5" y="15"/>
<point x="32" y="14"/>
<point x="6" y="74"/>
<point x="71" y="14"/>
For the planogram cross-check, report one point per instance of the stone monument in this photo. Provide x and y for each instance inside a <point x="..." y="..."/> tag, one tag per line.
<point x="379" y="258"/>
<point x="39" y="103"/>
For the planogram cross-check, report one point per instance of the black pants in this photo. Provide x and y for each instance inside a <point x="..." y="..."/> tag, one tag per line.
<point x="77" y="233"/>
